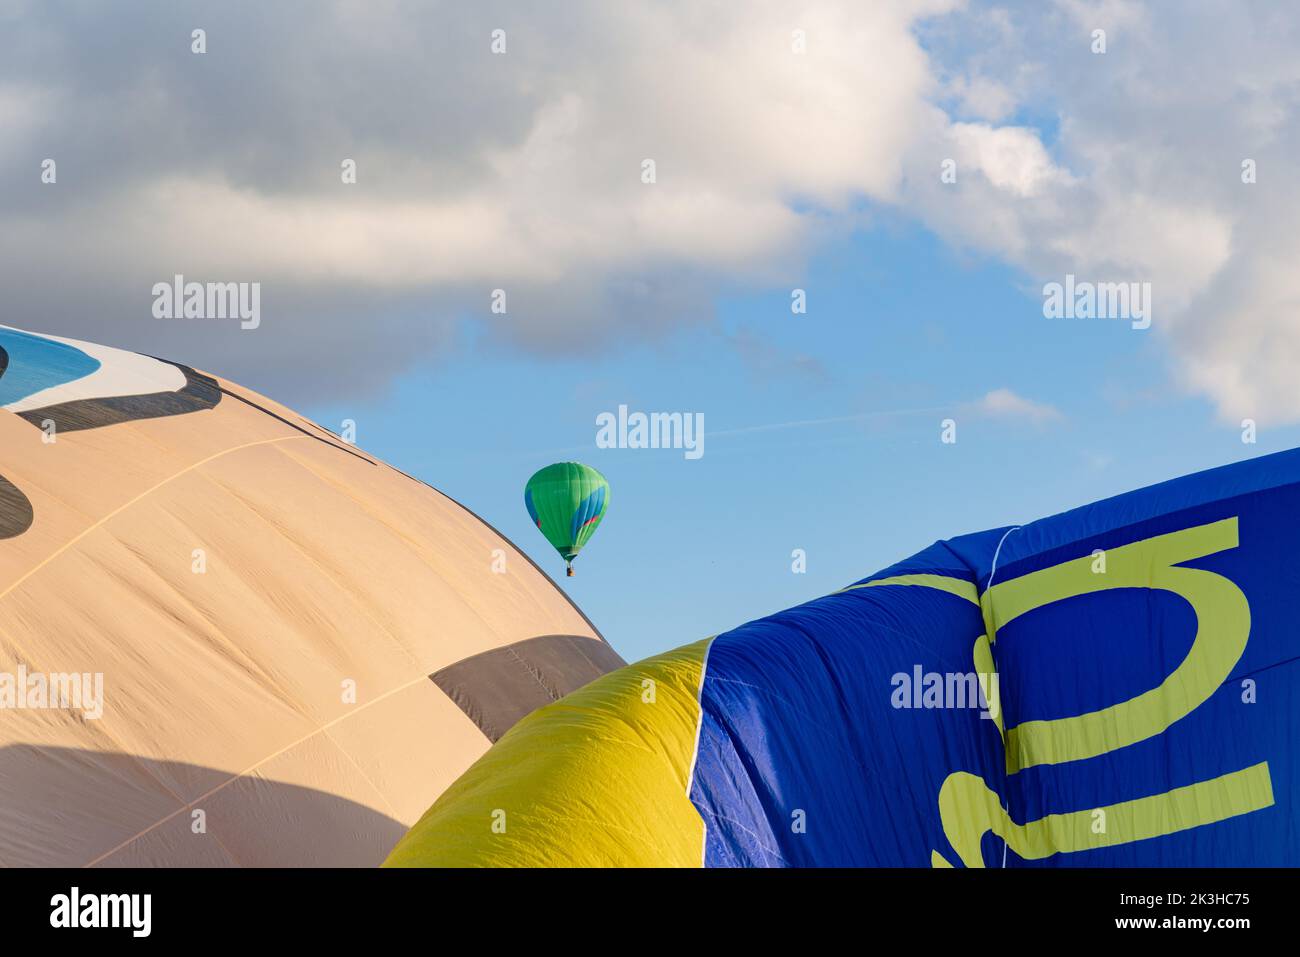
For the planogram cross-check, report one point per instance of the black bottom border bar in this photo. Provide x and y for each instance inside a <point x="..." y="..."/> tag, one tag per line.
<point x="303" y="907"/>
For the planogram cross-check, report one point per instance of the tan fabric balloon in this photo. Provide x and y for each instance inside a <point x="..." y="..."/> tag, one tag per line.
<point x="301" y="647"/>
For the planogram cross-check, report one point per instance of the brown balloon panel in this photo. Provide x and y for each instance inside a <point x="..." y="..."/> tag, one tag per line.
<point x="15" y="510"/>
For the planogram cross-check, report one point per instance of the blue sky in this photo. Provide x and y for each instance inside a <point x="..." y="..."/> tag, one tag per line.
<point x="900" y="325"/>
<point x="794" y="146"/>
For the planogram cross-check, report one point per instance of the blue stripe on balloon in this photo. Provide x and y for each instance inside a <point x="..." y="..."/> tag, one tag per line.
<point x="588" y="509"/>
<point x="37" y="363"/>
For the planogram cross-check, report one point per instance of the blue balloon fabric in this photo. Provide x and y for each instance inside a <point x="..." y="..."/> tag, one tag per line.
<point x="1139" y="704"/>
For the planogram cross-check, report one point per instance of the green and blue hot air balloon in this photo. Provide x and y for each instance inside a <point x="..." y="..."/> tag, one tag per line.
<point x="566" y="501"/>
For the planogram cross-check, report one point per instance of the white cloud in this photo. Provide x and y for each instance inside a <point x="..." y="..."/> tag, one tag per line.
<point x="475" y="171"/>
<point x="1005" y="404"/>
<point x="523" y="171"/>
<point x="1103" y="14"/>
<point x="983" y="98"/>
<point x="1011" y="158"/>
<point x="1144" y="181"/>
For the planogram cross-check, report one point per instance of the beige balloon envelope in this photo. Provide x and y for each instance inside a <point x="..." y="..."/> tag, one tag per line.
<point x="300" y="647"/>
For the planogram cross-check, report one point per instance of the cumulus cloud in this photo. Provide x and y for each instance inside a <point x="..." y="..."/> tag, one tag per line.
<point x="1146" y="176"/>
<point x="982" y="98"/>
<point x="475" y="171"/>
<point x="1005" y="404"/>
<point x="523" y="171"/>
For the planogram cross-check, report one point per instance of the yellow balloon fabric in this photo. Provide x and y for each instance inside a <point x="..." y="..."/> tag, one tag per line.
<point x="556" y="790"/>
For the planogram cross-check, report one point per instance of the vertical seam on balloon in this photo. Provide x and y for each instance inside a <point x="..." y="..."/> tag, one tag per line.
<point x="1006" y="786"/>
<point x="365" y="777"/>
<point x="695" y="753"/>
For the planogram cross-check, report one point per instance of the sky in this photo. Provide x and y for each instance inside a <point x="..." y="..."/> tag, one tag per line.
<point x="796" y="146"/>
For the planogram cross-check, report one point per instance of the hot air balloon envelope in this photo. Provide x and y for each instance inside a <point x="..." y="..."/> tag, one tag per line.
<point x="567" y="502"/>
<point x="1118" y="685"/>
<point x="289" y="637"/>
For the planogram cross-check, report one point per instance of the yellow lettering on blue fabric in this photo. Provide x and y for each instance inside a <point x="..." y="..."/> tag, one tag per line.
<point x="968" y="808"/>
